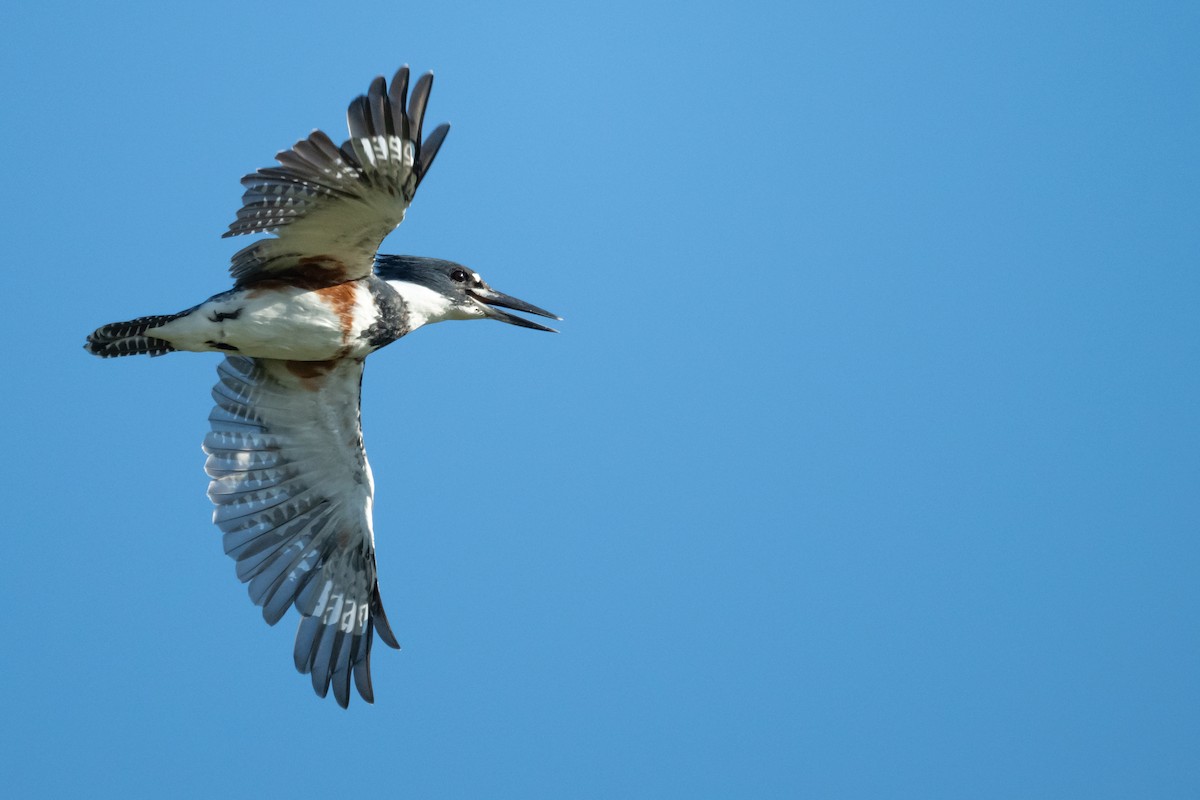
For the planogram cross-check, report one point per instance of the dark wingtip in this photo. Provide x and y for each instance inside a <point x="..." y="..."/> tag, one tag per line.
<point x="381" y="120"/>
<point x="429" y="149"/>
<point x="382" y="626"/>
<point x="362" y="670"/>
<point x="340" y="680"/>
<point x="398" y="99"/>
<point x="417" y="103"/>
<point x="358" y="117"/>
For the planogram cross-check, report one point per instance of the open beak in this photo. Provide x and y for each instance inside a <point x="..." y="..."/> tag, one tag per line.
<point x="489" y="299"/>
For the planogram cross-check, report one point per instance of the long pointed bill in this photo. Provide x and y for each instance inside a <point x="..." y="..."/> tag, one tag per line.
<point x="489" y="298"/>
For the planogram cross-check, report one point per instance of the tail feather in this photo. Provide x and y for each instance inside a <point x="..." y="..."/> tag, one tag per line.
<point x="129" y="338"/>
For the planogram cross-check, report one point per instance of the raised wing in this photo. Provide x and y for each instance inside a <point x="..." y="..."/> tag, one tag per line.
<point x="293" y="493"/>
<point x="331" y="206"/>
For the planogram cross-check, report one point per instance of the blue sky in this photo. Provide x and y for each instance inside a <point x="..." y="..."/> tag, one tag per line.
<point x="865" y="466"/>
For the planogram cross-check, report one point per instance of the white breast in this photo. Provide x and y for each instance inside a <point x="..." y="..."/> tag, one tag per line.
<point x="279" y="321"/>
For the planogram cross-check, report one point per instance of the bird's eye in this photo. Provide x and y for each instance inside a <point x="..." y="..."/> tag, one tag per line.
<point x="458" y="275"/>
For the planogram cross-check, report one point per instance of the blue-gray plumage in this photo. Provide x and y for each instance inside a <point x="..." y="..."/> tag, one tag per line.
<point x="290" y="482"/>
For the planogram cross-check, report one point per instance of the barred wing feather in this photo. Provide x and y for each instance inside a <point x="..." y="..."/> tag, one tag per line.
<point x="330" y="207"/>
<point x="292" y="492"/>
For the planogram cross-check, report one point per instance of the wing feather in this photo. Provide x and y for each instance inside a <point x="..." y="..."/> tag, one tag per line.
<point x="287" y="557"/>
<point x="397" y="100"/>
<point x="362" y="670"/>
<point x="381" y="116"/>
<point x="324" y="659"/>
<point x="358" y="118"/>
<point x="380" y="621"/>
<point x="292" y="494"/>
<point x="330" y="207"/>
<point x="417" y="103"/>
<point x="430" y="149"/>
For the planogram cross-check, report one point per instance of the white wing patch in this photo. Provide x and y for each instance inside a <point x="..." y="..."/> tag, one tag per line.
<point x="292" y="492"/>
<point x="331" y="206"/>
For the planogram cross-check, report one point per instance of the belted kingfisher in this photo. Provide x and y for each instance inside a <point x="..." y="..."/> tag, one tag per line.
<point x="291" y="485"/>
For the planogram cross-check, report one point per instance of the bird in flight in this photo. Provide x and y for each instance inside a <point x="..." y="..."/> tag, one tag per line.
<point x="291" y="485"/>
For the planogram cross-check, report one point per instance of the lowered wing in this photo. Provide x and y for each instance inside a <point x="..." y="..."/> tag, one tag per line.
<point x="331" y="206"/>
<point x="293" y="494"/>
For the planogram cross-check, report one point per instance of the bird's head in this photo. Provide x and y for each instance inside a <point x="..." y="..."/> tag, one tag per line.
<point x="435" y="290"/>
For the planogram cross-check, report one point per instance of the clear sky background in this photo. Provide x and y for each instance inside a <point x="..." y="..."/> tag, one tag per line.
<point x="866" y="464"/>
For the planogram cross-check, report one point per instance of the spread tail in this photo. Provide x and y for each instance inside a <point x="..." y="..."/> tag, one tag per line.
<point x="129" y="338"/>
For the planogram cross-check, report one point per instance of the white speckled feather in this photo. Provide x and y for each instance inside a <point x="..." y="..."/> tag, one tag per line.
<point x="331" y="206"/>
<point x="292" y="491"/>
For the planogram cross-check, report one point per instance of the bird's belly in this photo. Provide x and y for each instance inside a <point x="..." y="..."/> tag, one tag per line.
<point x="277" y="321"/>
